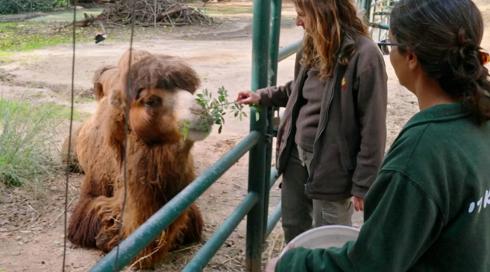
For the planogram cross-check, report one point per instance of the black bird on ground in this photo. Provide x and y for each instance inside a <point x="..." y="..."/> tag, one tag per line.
<point x="100" y="36"/>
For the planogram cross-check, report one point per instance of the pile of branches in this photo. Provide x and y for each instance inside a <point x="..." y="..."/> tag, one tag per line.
<point x="152" y="13"/>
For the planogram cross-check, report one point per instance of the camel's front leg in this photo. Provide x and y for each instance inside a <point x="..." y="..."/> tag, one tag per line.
<point x="109" y="234"/>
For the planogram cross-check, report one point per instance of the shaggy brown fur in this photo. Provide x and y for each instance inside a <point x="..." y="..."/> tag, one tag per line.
<point x="105" y="79"/>
<point x="159" y="164"/>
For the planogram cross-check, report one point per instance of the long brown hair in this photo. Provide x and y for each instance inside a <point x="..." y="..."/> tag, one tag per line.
<point x="326" y="24"/>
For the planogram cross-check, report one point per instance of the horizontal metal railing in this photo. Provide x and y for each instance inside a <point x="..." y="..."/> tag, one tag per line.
<point x="381" y="26"/>
<point x="289" y="50"/>
<point x="219" y="237"/>
<point x="273" y="218"/>
<point x="274" y="177"/>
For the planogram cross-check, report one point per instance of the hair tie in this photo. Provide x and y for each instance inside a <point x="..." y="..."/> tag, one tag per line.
<point x="484" y="57"/>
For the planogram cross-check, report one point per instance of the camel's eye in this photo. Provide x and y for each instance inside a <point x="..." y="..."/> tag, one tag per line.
<point x="153" y="102"/>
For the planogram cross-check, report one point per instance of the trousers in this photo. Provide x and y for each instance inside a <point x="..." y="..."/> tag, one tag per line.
<point x="300" y="213"/>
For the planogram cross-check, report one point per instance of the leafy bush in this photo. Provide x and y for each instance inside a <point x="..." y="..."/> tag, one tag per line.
<point x="27" y="135"/>
<point x="18" y="6"/>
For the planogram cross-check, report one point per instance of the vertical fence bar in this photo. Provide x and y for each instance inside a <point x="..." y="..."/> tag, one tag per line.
<point x="258" y="121"/>
<point x="367" y="6"/>
<point x="275" y="30"/>
<point x="274" y="40"/>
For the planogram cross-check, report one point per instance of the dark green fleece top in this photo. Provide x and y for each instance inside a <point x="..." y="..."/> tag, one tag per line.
<point x="429" y="208"/>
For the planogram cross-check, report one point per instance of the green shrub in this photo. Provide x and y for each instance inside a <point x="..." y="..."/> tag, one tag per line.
<point x="18" y="6"/>
<point x="27" y="141"/>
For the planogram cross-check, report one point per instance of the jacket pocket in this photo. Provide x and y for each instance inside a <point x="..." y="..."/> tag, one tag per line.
<point x="347" y="160"/>
<point x="330" y="163"/>
<point x="329" y="176"/>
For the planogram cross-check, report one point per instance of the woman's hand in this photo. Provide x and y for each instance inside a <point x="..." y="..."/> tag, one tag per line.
<point x="358" y="203"/>
<point x="248" y="98"/>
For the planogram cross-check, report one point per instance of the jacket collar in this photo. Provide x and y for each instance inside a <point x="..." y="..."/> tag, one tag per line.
<point x="437" y="113"/>
<point x="347" y="41"/>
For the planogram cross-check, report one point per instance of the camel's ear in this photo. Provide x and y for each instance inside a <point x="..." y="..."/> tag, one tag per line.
<point x="161" y="72"/>
<point x="97" y="80"/>
<point x="98" y="91"/>
<point x="136" y="55"/>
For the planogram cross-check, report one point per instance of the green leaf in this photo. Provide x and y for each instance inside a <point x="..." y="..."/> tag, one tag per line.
<point x="185" y="129"/>
<point x="218" y="107"/>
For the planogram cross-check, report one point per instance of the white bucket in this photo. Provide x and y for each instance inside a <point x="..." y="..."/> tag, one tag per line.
<point x="323" y="237"/>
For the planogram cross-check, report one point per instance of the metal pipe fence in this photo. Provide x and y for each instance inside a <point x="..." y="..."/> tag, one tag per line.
<point x="261" y="177"/>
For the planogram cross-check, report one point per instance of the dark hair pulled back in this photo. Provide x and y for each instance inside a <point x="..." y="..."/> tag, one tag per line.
<point x="445" y="35"/>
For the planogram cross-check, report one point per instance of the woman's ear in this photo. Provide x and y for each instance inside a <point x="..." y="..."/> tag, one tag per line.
<point x="412" y="60"/>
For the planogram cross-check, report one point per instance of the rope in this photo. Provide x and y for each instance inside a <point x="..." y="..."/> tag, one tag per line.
<point x="126" y="133"/>
<point x="67" y="170"/>
<point x="126" y="129"/>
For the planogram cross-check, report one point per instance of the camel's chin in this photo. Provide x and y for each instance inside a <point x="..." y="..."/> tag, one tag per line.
<point x="198" y="135"/>
<point x="196" y="129"/>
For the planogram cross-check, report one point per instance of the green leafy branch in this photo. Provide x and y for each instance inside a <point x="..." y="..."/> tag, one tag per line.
<point x="219" y="106"/>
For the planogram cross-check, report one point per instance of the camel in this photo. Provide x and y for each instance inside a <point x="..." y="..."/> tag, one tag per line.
<point x="137" y="127"/>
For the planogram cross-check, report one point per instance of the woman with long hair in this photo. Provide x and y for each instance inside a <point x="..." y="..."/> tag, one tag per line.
<point x="332" y="135"/>
<point x="429" y="208"/>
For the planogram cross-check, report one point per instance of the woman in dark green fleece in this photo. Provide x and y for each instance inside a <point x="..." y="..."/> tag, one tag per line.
<point x="331" y="139"/>
<point x="429" y="208"/>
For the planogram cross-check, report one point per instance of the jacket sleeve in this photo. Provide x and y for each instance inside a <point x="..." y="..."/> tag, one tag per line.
<point x="275" y="96"/>
<point x="410" y="223"/>
<point x="278" y="96"/>
<point x="371" y="108"/>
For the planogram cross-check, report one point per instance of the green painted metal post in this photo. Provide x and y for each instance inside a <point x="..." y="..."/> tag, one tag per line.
<point x="256" y="222"/>
<point x="364" y="4"/>
<point x="367" y="5"/>
<point x="275" y="29"/>
<point x="274" y="40"/>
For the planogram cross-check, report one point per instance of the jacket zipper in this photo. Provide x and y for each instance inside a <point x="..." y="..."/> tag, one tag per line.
<point x="340" y="72"/>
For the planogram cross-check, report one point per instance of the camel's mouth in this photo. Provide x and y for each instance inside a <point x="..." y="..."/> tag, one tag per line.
<point x="195" y="123"/>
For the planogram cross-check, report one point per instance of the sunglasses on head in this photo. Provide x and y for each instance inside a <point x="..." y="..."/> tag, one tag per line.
<point x="386" y="46"/>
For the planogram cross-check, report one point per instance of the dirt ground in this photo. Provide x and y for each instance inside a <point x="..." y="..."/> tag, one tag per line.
<point x="31" y="229"/>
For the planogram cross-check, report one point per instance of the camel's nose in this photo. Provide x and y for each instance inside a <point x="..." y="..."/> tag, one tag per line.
<point x="194" y="121"/>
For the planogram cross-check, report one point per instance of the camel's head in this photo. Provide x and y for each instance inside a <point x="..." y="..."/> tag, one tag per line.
<point x="162" y="108"/>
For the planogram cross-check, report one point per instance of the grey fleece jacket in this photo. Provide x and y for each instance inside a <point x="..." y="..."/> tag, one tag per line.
<point x="351" y="135"/>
